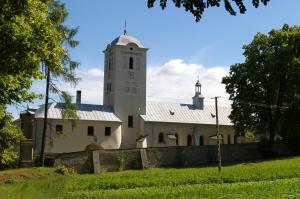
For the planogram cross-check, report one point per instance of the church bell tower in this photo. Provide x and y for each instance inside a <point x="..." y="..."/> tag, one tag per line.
<point x="198" y="99"/>
<point x="125" y="84"/>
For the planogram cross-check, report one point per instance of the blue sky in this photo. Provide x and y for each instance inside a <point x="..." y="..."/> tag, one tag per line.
<point x="179" y="48"/>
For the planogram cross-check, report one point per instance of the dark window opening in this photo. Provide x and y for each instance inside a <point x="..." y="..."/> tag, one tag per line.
<point x="59" y="128"/>
<point x="189" y="140"/>
<point x="228" y="139"/>
<point x="90" y="131"/>
<point x="177" y="139"/>
<point x="235" y="139"/>
<point x="161" y="138"/>
<point x="130" y="62"/>
<point x="130" y="121"/>
<point x="131" y="48"/>
<point x="107" y="131"/>
<point x="107" y="87"/>
<point x="201" y="139"/>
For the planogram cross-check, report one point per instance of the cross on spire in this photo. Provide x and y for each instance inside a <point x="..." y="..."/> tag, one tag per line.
<point x="125" y="28"/>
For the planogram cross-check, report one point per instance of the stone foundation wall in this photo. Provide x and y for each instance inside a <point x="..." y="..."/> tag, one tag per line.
<point x="113" y="160"/>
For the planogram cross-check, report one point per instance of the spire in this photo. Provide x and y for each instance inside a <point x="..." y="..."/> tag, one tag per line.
<point x="198" y="99"/>
<point x="125" y="28"/>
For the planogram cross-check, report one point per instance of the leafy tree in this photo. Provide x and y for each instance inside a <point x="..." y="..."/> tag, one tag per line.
<point x="34" y="44"/>
<point x="32" y="34"/>
<point x="10" y="135"/>
<point x="265" y="88"/>
<point x="197" y="8"/>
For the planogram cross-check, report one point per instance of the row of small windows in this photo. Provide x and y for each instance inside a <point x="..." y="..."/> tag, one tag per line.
<point x="161" y="139"/>
<point x="90" y="130"/>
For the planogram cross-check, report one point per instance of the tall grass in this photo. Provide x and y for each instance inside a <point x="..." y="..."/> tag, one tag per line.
<point x="272" y="179"/>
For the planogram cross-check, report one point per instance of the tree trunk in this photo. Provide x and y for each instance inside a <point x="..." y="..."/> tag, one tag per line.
<point x="42" y="154"/>
<point x="271" y="127"/>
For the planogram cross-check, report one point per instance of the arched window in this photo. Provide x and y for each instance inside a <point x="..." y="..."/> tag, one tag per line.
<point x="130" y="62"/>
<point x="177" y="139"/>
<point x="161" y="138"/>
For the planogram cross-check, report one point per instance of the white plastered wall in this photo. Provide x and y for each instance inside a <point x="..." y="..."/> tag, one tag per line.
<point x="152" y="129"/>
<point x="77" y="139"/>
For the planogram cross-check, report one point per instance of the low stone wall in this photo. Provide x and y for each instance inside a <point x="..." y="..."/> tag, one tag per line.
<point x="113" y="160"/>
<point x="80" y="161"/>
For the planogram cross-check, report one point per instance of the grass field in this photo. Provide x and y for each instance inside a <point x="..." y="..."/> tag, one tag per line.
<point x="267" y="179"/>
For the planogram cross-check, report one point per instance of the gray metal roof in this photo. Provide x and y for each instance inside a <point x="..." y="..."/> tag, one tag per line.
<point x="125" y="39"/>
<point x="185" y="113"/>
<point x="84" y="112"/>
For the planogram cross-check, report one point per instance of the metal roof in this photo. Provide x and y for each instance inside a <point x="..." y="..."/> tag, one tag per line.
<point x="84" y="112"/>
<point x="185" y="113"/>
<point x="125" y="39"/>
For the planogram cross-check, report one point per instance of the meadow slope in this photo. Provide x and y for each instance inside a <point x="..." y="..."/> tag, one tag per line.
<point x="278" y="178"/>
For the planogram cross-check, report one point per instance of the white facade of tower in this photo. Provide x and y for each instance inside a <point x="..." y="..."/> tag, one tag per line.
<point x="125" y="85"/>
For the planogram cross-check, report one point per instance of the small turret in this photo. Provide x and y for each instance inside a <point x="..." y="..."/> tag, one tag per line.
<point x="198" y="99"/>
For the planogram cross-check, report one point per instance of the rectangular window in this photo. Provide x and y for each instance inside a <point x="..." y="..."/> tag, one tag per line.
<point x="201" y="140"/>
<point x="90" y="131"/>
<point x="130" y="121"/>
<point x="130" y="62"/>
<point x="107" y="131"/>
<point x="59" y="128"/>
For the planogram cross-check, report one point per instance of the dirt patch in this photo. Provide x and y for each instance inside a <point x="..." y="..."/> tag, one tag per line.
<point x="25" y="174"/>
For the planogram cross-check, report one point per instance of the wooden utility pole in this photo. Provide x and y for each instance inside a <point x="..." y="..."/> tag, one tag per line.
<point x="42" y="154"/>
<point x="218" y="135"/>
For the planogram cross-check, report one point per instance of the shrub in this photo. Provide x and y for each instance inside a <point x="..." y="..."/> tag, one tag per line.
<point x="93" y="146"/>
<point x="64" y="170"/>
<point x="120" y="162"/>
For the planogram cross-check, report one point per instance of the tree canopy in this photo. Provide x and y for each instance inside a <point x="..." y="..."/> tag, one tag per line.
<point x="10" y="135"/>
<point x="32" y="35"/>
<point x="197" y="8"/>
<point x="34" y="44"/>
<point x="265" y="89"/>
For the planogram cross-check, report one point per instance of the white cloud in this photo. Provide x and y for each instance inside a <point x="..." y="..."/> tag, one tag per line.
<point x="91" y="86"/>
<point x="172" y="81"/>
<point x="175" y="80"/>
<point x="94" y="72"/>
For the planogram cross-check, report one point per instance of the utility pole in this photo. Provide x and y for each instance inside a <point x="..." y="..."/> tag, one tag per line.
<point x="218" y="135"/>
<point x="42" y="154"/>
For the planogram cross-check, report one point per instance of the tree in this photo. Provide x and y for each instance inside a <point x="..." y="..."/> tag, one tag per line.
<point x="10" y="135"/>
<point x="32" y="35"/>
<point x="265" y="88"/>
<point x="34" y="44"/>
<point x="197" y="8"/>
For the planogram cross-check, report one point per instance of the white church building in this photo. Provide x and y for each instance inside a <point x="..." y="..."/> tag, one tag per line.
<point x="126" y="120"/>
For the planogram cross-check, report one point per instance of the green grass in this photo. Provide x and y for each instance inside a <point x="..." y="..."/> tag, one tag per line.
<point x="267" y="179"/>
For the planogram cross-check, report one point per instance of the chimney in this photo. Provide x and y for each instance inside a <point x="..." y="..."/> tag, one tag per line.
<point x="78" y="97"/>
